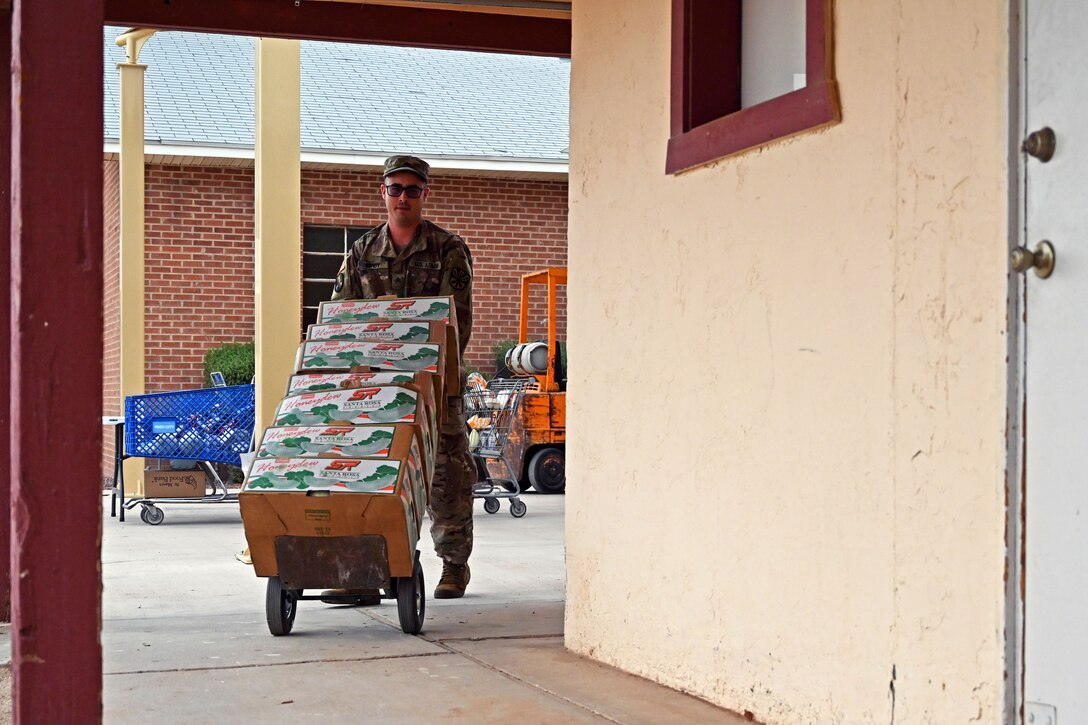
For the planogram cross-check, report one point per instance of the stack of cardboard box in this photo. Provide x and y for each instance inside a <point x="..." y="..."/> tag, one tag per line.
<point x="351" y="451"/>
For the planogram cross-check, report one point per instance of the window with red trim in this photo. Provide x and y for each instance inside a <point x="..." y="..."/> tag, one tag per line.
<point x="711" y="115"/>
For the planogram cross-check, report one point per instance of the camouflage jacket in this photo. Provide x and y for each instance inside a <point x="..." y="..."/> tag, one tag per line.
<point x="435" y="262"/>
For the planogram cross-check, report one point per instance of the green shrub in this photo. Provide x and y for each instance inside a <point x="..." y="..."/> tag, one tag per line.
<point x="233" y="359"/>
<point x="499" y="350"/>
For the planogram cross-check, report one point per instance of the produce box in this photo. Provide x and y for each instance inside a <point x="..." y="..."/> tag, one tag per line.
<point x="428" y="383"/>
<point x="372" y="404"/>
<point x="427" y="309"/>
<point x="407" y="309"/>
<point x="327" y="356"/>
<point x="333" y="497"/>
<point x="317" y="382"/>
<point x="416" y="331"/>
<point x="400" y="440"/>
<point x="379" y="331"/>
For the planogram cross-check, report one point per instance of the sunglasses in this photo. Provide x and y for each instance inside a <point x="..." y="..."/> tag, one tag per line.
<point x="395" y="190"/>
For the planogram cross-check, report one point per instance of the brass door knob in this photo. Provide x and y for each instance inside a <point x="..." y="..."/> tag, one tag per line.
<point x="1042" y="260"/>
<point x="1041" y="144"/>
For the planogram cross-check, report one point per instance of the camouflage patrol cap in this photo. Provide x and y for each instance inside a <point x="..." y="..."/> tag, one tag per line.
<point x="416" y="165"/>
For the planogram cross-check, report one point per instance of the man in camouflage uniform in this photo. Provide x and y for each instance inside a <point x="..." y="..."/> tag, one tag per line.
<point x="409" y="256"/>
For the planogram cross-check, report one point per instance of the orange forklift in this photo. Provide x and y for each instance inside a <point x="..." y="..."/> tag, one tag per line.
<point x="536" y="447"/>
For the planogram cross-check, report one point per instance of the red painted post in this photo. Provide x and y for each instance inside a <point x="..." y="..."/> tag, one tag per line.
<point x="5" y="315"/>
<point x="56" y="354"/>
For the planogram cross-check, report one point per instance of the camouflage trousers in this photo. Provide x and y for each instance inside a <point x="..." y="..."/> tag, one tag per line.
<point x="450" y="505"/>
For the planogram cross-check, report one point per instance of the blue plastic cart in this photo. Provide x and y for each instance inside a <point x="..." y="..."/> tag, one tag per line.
<point x="210" y="425"/>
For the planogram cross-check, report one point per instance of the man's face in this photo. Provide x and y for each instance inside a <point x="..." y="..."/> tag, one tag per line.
<point x="403" y="210"/>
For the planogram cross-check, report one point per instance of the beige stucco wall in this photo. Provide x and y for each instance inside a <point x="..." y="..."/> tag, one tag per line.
<point x="787" y="397"/>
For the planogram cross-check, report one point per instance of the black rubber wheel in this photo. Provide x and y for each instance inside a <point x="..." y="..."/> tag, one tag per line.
<point x="411" y="601"/>
<point x="548" y="470"/>
<point x="279" y="607"/>
<point x="143" y="514"/>
<point x="152" y="515"/>
<point x="517" y="508"/>
<point x="491" y="505"/>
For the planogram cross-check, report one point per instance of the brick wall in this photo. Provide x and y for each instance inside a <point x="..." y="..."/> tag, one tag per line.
<point x="199" y="249"/>
<point x="199" y="269"/>
<point x="111" y="317"/>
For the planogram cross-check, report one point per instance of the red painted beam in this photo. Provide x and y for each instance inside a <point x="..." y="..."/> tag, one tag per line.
<point x="5" y="317"/>
<point x="56" y="355"/>
<point x="350" y="22"/>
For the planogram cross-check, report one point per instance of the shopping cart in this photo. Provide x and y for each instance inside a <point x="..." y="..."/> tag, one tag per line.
<point x="206" y="426"/>
<point x="491" y="411"/>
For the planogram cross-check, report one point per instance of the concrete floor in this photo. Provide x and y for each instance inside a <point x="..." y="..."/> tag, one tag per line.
<point x="184" y="637"/>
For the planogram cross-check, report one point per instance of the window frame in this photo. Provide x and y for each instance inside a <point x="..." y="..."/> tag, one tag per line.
<point x="351" y="233"/>
<point x="812" y="107"/>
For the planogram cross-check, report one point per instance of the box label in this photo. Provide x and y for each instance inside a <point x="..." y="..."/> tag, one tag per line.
<point x="381" y="331"/>
<point x="344" y="441"/>
<point x="317" y="382"/>
<point x="341" y="354"/>
<point x="431" y="309"/>
<point x="377" y="404"/>
<point x="345" y="475"/>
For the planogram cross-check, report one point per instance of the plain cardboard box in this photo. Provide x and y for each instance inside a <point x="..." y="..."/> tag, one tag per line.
<point x="341" y="497"/>
<point x="173" y="484"/>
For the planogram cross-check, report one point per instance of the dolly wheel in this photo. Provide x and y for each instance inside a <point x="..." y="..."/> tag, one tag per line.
<point x="152" y="515"/>
<point x="517" y="508"/>
<point x="411" y="601"/>
<point x="279" y="607"/>
<point x="491" y="505"/>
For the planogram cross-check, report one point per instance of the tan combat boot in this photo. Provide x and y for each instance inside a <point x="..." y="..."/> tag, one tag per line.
<point x="453" y="582"/>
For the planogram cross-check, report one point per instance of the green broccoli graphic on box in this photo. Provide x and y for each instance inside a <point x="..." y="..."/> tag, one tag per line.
<point x="363" y="316"/>
<point x="286" y="447"/>
<point x="299" y="477"/>
<point x="416" y="332"/>
<point x="395" y="409"/>
<point x="377" y="441"/>
<point x="381" y="472"/>
<point x="328" y="412"/>
<point x="343" y="336"/>
<point x="425" y="357"/>
<point x="321" y="386"/>
<point x="317" y="361"/>
<point x="354" y="358"/>
<point x="437" y="311"/>
<point x="289" y="419"/>
<point x="261" y="482"/>
<point x="399" y="400"/>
